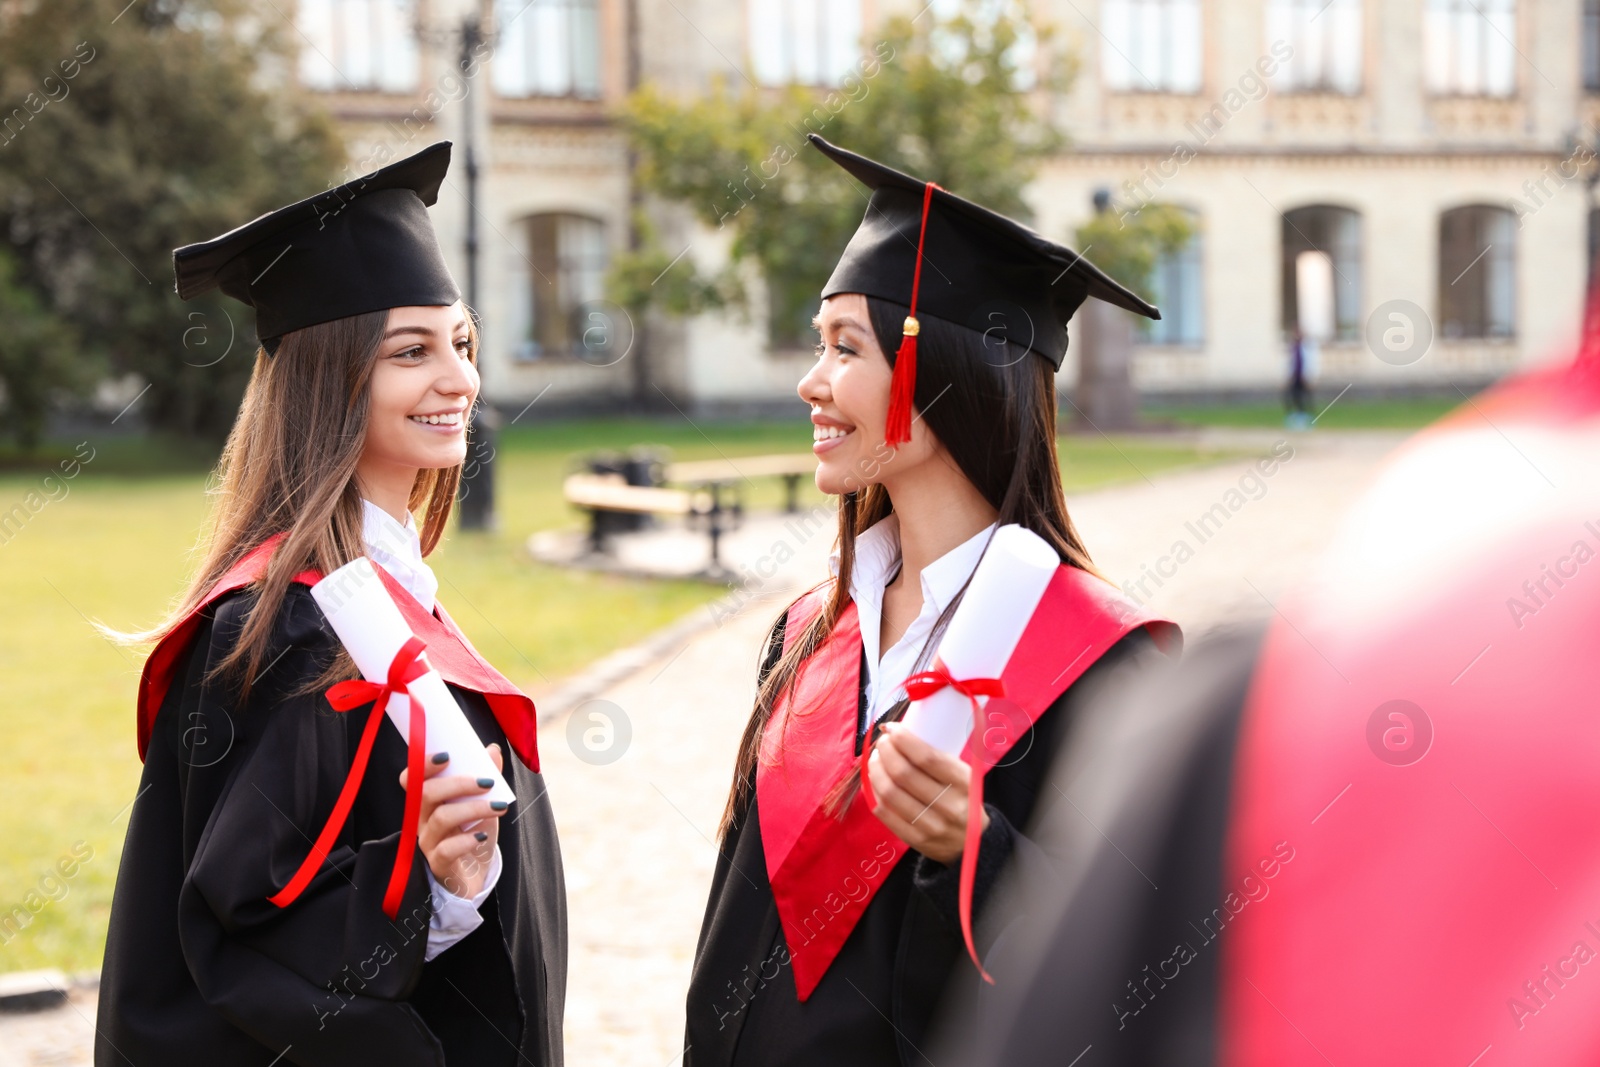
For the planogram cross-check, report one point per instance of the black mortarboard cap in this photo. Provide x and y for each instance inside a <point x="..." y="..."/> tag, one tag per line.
<point x="977" y="263"/>
<point x="366" y="245"/>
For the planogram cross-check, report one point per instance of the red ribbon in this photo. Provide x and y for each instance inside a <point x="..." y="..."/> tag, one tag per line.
<point x="407" y="666"/>
<point x="921" y="686"/>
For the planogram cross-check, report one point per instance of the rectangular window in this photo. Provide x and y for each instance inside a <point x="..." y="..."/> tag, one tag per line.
<point x="357" y="45"/>
<point x="559" y="275"/>
<point x="805" y="42"/>
<point x="1469" y="47"/>
<point x="1151" y="46"/>
<point x="1326" y="38"/>
<point x="548" y="48"/>
<point x="1176" y="284"/>
<point x="1591" y="46"/>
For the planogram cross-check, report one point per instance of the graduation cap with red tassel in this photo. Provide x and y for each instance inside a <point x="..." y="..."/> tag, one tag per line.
<point x="985" y="272"/>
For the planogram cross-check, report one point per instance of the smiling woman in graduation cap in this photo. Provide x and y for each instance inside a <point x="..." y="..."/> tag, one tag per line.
<point x="844" y="906"/>
<point x="291" y="890"/>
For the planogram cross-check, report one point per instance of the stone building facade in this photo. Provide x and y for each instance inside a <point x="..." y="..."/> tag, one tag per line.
<point x="1436" y="155"/>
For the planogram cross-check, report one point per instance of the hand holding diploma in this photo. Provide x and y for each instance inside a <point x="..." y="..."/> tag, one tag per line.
<point x="460" y="825"/>
<point x="922" y="793"/>
<point x="397" y="678"/>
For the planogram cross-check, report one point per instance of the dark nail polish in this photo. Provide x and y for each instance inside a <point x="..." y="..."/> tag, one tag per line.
<point x="441" y="757"/>
<point x="499" y="805"/>
<point x="481" y="836"/>
<point x="485" y="783"/>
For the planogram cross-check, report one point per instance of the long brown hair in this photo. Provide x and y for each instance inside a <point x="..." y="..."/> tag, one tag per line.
<point x="991" y="403"/>
<point x="289" y="467"/>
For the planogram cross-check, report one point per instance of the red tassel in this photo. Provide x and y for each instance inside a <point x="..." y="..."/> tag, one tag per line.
<point x="902" y="386"/>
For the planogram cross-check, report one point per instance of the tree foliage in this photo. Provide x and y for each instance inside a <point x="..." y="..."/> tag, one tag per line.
<point x="1127" y="245"/>
<point x="40" y="357"/>
<point x="127" y="135"/>
<point x="935" y="98"/>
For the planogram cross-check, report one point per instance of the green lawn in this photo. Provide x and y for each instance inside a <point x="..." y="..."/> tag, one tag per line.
<point x="115" y="548"/>
<point x="1344" y="414"/>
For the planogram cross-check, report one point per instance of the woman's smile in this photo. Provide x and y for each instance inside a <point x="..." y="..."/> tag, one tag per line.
<point x="828" y="434"/>
<point x="441" y="422"/>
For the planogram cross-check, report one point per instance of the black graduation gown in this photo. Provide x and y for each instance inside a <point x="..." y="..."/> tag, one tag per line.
<point x="1116" y="954"/>
<point x="875" y="1003"/>
<point x="201" y="969"/>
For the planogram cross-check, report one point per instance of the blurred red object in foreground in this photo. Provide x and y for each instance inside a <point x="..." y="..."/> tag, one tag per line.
<point x="1424" y="727"/>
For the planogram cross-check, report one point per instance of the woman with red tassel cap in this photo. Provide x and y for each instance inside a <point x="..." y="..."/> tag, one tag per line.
<point x="857" y="856"/>
<point x="301" y="883"/>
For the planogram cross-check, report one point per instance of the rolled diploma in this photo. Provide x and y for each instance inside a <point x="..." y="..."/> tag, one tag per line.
<point x="1007" y="586"/>
<point x="370" y="625"/>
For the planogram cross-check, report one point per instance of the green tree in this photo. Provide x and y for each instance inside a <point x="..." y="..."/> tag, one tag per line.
<point x="40" y="356"/>
<point x="1127" y="245"/>
<point x="938" y="99"/>
<point x="126" y="131"/>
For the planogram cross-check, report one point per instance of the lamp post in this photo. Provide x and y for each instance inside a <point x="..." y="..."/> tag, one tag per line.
<point x="476" y="497"/>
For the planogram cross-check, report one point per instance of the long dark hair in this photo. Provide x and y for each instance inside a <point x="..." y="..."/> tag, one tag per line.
<point x="289" y="467"/>
<point x="991" y="402"/>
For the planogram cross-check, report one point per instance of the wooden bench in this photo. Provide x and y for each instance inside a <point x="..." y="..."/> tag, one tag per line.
<point x="710" y="482"/>
<point x="791" y="467"/>
<point x="599" y="494"/>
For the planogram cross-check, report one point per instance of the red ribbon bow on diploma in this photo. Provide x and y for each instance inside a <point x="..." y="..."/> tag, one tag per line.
<point x="921" y="686"/>
<point x="407" y="667"/>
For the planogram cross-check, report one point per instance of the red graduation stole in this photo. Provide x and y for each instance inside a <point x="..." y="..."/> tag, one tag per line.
<point x="825" y="870"/>
<point x="449" y="651"/>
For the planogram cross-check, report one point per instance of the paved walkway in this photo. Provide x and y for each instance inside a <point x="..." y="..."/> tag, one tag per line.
<point x="638" y="773"/>
<point x="637" y="833"/>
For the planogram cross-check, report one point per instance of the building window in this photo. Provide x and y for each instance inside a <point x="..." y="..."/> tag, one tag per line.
<point x="1478" y="272"/>
<point x="357" y="45"/>
<point x="1591" y="46"/>
<point x="806" y="42"/>
<point x="1176" y="285"/>
<point x="1326" y="38"/>
<point x="1469" y="47"/>
<point x="548" y="48"/>
<point x="1335" y="232"/>
<point x="1594" y="244"/>
<point x="1151" y="46"/>
<point x="558" y="275"/>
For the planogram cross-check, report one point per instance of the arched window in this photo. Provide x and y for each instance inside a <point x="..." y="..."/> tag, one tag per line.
<point x="357" y="45"/>
<point x="548" y="48"/>
<point x="1176" y="285"/>
<point x="557" y="273"/>
<point x="1478" y="272"/>
<point x="1335" y="231"/>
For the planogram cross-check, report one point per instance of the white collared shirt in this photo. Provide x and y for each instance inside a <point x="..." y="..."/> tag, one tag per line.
<point x="877" y="560"/>
<point x="398" y="549"/>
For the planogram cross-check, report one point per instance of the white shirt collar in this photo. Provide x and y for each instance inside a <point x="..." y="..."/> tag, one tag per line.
<point x="397" y="549"/>
<point x="877" y="558"/>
